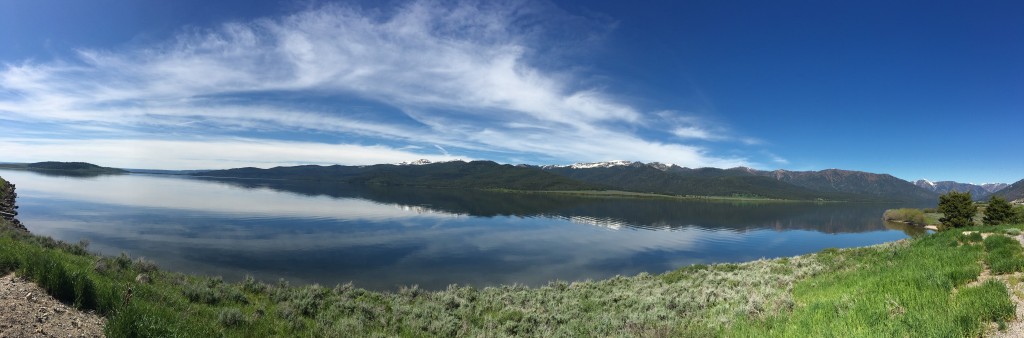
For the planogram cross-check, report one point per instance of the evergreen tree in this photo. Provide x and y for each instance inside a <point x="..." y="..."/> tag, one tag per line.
<point x="998" y="211"/>
<point x="957" y="208"/>
<point x="1017" y="215"/>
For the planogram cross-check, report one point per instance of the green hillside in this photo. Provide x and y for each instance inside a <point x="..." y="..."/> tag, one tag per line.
<point x="702" y="182"/>
<point x="1013" y="192"/>
<point x="457" y="174"/>
<point x="68" y="168"/>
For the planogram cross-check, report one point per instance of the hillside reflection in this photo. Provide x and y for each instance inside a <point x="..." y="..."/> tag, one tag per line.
<point x="607" y="212"/>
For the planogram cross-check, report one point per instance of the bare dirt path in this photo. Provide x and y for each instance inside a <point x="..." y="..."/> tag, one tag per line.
<point x="27" y="311"/>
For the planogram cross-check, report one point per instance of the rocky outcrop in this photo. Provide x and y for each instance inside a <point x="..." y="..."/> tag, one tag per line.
<point x="8" y="208"/>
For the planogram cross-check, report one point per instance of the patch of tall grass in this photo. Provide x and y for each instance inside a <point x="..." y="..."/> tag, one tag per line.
<point x="1005" y="254"/>
<point x="897" y="291"/>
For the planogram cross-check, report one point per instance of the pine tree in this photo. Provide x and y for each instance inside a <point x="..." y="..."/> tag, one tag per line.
<point x="998" y="211"/>
<point x="958" y="209"/>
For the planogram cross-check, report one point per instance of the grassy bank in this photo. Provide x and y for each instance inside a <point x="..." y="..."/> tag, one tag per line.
<point x="896" y="289"/>
<point x="694" y="300"/>
<point x="916" y="287"/>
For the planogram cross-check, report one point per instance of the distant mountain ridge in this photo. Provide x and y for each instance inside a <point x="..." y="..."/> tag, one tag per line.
<point x="1013" y="192"/>
<point x="993" y="187"/>
<point x="864" y="184"/>
<point x="70" y="168"/>
<point x="830" y="184"/>
<point x="978" y="191"/>
<point x="454" y="174"/>
<point x="658" y="178"/>
<point x="640" y="177"/>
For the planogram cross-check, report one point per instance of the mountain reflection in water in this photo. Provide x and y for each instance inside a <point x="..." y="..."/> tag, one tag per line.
<point x="385" y="237"/>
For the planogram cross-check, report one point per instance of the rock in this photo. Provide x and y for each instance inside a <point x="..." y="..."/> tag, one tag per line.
<point x="143" y="278"/>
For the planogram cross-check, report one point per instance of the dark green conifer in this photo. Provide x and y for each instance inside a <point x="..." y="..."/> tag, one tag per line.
<point x="957" y="209"/>
<point x="998" y="211"/>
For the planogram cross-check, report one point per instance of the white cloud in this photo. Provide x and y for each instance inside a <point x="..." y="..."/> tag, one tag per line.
<point x="691" y="132"/>
<point x="204" y="154"/>
<point x="776" y="158"/>
<point x="460" y="74"/>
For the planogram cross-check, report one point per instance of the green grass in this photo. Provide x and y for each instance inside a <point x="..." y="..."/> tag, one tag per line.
<point x="1004" y="254"/>
<point x="897" y="291"/>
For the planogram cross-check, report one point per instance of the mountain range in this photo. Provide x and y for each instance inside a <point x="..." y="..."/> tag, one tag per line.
<point x="64" y="168"/>
<point x="1013" y="192"/>
<point x="627" y="176"/>
<point x="978" y="191"/>
<point x="657" y="178"/>
<point x="455" y="174"/>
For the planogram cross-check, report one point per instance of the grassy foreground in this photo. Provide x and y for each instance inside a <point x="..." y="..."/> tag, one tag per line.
<point x="916" y="287"/>
<point x="897" y="289"/>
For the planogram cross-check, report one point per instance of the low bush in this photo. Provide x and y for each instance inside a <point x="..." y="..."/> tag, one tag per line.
<point x="1017" y="215"/>
<point x="906" y="215"/>
<point x="231" y="317"/>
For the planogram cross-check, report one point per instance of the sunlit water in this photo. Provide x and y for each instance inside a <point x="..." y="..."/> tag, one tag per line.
<point x="381" y="238"/>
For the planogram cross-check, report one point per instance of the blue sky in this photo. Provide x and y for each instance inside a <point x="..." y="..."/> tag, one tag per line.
<point x="915" y="89"/>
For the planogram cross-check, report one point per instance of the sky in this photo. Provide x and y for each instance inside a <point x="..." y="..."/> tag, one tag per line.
<point x="916" y="89"/>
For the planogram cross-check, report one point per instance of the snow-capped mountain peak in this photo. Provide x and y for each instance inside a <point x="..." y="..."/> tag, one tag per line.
<point x="993" y="187"/>
<point x="590" y="165"/>
<point x="660" y="166"/>
<point x="924" y="182"/>
<point x="606" y="164"/>
<point x="421" y="161"/>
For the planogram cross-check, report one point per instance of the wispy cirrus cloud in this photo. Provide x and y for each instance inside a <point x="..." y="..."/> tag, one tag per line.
<point x="461" y="77"/>
<point x="217" y="153"/>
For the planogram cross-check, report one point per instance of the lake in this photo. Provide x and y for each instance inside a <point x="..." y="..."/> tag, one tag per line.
<point x="382" y="238"/>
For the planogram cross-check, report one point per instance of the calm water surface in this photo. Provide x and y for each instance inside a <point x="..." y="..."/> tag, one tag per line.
<point x="382" y="238"/>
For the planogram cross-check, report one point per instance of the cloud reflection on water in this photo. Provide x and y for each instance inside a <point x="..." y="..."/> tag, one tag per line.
<point x="384" y="239"/>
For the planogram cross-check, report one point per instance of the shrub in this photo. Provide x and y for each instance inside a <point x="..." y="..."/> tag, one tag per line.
<point x="143" y="265"/>
<point x="1017" y="215"/>
<point x="998" y="211"/>
<point x="213" y="293"/>
<point x="250" y="284"/>
<point x="231" y="317"/>
<point x="958" y="209"/>
<point x="907" y="215"/>
<point x="200" y="294"/>
<point x="123" y="261"/>
<point x="1012" y="231"/>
